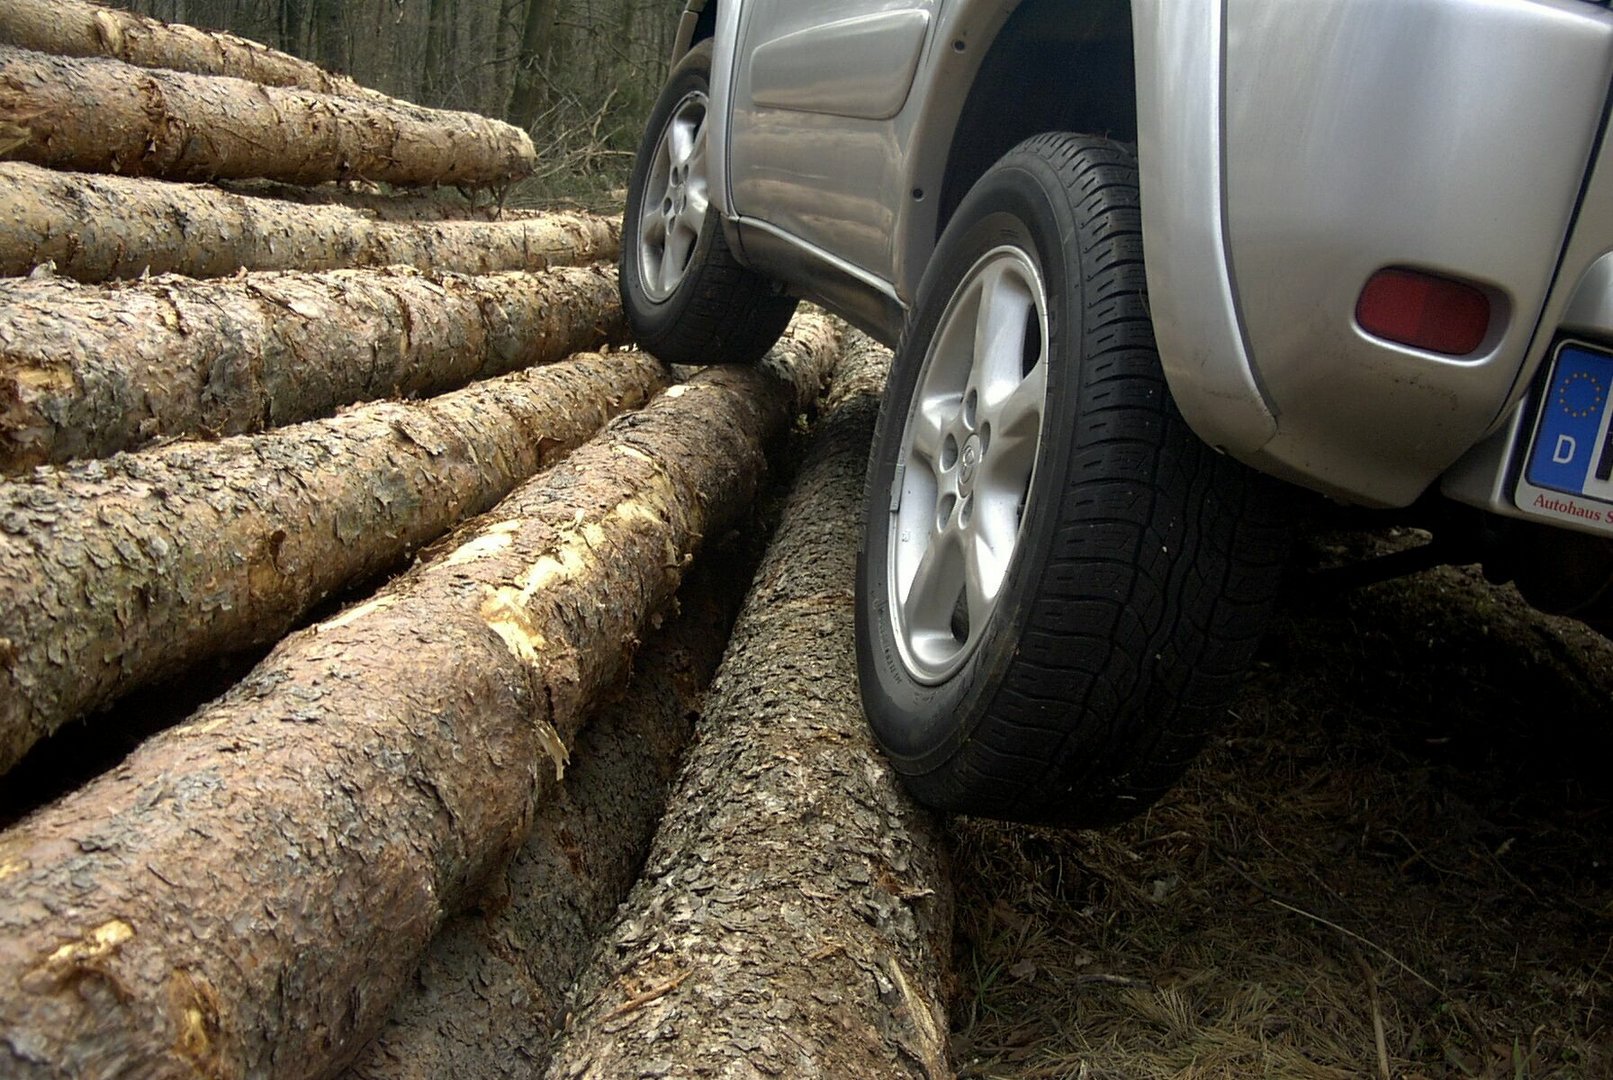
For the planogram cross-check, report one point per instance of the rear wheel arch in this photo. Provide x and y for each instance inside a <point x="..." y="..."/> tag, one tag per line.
<point x="1048" y="66"/>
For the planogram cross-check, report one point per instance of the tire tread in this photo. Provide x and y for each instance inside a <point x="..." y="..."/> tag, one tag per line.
<point x="1164" y="562"/>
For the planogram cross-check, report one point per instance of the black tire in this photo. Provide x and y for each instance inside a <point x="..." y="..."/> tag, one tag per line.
<point x="1144" y="564"/>
<point x="715" y="311"/>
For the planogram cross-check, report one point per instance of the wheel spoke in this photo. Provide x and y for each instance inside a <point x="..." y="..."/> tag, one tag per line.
<point x="697" y="152"/>
<point x="674" y="256"/>
<point x="983" y="574"/>
<point x="691" y="218"/>
<point x="698" y="201"/>
<point x="933" y="591"/>
<point x="652" y="226"/>
<point x="999" y="326"/>
<point x="928" y="428"/>
<point x="680" y="140"/>
<point x="1017" y="416"/>
<point x="953" y="352"/>
<point x="995" y="529"/>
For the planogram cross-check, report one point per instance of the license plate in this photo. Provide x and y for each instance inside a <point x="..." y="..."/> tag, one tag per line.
<point x="1572" y="453"/>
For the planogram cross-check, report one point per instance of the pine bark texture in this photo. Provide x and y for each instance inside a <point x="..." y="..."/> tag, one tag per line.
<point x="490" y="995"/>
<point x="386" y="206"/>
<point x="102" y="115"/>
<point x="794" y="917"/>
<point x="247" y="894"/>
<point x="76" y="28"/>
<point x="97" y="228"/>
<point x="88" y="370"/>
<point x="117" y="573"/>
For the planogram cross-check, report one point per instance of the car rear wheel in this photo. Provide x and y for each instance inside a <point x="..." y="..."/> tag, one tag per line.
<point x="687" y="299"/>
<point x="1060" y="584"/>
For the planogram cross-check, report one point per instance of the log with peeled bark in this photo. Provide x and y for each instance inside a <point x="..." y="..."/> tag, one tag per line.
<point x="77" y="28"/>
<point x="247" y="893"/>
<point x="491" y="993"/>
<point x="794" y="917"/>
<point x="95" y="228"/>
<point x="107" y="116"/>
<point x="88" y="370"/>
<point x="115" y="574"/>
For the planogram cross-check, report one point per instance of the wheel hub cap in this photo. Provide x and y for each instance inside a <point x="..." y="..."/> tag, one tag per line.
<point x="967" y="464"/>
<point x="966" y="459"/>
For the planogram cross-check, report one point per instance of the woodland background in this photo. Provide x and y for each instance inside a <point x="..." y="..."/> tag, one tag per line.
<point x="579" y="75"/>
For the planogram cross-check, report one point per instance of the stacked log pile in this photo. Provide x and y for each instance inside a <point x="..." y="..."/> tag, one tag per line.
<point x="397" y="438"/>
<point x="87" y="371"/>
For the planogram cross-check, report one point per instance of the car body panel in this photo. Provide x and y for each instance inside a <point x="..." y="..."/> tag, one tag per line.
<point x="825" y="222"/>
<point x="1271" y="190"/>
<point x="1407" y="138"/>
<point x="826" y="175"/>
<point x="859" y="67"/>
<point x="1179" y="46"/>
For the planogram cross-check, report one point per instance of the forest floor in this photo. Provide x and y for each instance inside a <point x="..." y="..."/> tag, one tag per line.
<point x="1393" y="861"/>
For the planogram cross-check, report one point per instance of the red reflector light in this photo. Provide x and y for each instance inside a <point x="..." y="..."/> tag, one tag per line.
<point x="1424" y="311"/>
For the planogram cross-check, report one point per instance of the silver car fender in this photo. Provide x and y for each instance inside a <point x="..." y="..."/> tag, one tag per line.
<point x="1180" y="51"/>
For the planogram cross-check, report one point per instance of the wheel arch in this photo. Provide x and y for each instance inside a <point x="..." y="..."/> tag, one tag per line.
<point x="1040" y="65"/>
<point x="698" y="22"/>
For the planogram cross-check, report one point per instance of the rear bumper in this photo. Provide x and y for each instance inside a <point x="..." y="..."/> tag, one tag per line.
<point x="1452" y="136"/>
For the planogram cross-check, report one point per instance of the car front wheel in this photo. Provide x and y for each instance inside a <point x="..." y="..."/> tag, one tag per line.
<point x="687" y="299"/>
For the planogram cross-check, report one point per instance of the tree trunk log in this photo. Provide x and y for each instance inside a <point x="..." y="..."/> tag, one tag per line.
<point x="490" y="995"/>
<point x="107" y="116"/>
<point x="94" y="228"/>
<point x="247" y="893"/>
<point x="794" y="917"/>
<point x="76" y="28"/>
<point x="440" y="205"/>
<point x="117" y="573"/>
<point x="86" y="371"/>
<point x="534" y="65"/>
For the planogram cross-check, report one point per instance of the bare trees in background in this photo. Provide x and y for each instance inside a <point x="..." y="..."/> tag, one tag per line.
<point x="579" y="74"/>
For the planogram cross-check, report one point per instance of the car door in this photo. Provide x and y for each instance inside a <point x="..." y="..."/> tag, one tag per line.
<point x="820" y="120"/>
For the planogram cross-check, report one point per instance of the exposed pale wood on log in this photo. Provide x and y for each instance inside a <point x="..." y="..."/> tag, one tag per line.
<point x="107" y="116"/>
<point x="77" y="28"/>
<point x="247" y="894"/>
<point x="86" y="371"/>
<point x="94" y="228"/>
<point x="794" y="917"/>
<point x="117" y="573"/>
<point x="490" y="995"/>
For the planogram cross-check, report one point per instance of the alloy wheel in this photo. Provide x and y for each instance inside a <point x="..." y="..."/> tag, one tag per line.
<point x="965" y="465"/>
<point x="673" y="210"/>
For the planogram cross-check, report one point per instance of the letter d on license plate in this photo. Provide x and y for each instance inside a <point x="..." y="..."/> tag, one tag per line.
<point x="1572" y="453"/>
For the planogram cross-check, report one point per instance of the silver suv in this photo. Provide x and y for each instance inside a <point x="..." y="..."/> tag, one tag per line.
<point x="1379" y="240"/>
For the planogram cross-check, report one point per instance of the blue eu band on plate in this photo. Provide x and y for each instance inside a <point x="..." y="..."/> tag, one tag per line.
<point x="1572" y="452"/>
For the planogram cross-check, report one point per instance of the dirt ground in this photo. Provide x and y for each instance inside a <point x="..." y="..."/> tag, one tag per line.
<point x="1394" y="861"/>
